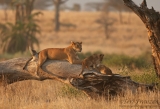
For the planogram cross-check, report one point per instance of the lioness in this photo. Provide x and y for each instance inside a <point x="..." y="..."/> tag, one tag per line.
<point x="69" y="53"/>
<point x="92" y="62"/>
<point x="104" y="70"/>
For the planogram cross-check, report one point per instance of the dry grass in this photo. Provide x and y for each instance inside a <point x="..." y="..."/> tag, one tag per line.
<point x="51" y="95"/>
<point x="128" y="38"/>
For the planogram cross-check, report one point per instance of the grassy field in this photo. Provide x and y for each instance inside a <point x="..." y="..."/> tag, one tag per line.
<point x="50" y="94"/>
<point x="55" y="95"/>
<point x="127" y="52"/>
<point x="127" y="38"/>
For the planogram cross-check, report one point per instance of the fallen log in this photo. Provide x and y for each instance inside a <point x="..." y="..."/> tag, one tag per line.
<point x="92" y="83"/>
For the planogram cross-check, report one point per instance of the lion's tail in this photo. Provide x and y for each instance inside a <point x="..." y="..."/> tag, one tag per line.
<point x="33" y="52"/>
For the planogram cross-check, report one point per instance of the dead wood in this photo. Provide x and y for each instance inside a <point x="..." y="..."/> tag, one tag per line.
<point x="93" y="83"/>
<point x="151" y="19"/>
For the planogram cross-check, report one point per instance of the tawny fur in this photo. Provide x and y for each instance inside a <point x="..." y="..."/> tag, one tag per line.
<point x="91" y="62"/>
<point x="104" y="70"/>
<point x="69" y="53"/>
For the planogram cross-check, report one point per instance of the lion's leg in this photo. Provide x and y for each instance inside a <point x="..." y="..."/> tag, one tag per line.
<point x="41" y="60"/>
<point x="83" y="67"/>
<point x="73" y="60"/>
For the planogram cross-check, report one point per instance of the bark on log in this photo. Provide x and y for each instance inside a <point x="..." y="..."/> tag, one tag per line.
<point x="93" y="83"/>
<point x="151" y="19"/>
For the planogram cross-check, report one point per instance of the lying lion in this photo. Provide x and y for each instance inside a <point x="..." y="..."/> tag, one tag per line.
<point x="69" y="53"/>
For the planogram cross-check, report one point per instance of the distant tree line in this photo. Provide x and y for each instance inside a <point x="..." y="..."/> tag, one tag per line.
<point x="18" y="36"/>
<point x="25" y="28"/>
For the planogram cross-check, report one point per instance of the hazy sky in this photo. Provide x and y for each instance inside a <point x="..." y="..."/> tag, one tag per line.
<point x="154" y="3"/>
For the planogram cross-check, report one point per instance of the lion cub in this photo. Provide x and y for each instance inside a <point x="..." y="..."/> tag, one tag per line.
<point x="92" y="62"/>
<point x="69" y="53"/>
<point x="104" y="70"/>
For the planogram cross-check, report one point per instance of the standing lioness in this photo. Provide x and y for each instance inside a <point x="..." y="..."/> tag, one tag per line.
<point x="69" y="53"/>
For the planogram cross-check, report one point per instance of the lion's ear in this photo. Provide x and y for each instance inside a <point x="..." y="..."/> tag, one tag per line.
<point x="72" y="43"/>
<point x="80" y="42"/>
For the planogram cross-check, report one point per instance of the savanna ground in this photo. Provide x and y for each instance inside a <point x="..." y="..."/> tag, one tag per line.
<point x="127" y="51"/>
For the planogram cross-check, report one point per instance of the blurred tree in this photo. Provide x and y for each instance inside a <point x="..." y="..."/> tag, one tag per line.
<point x="106" y="22"/>
<point x="18" y="36"/>
<point x="97" y="6"/>
<point x="5" y="4"/>
<point x="76" y="7"/>
<point x="117" y="5"/>
<point x="23" y="9"/>
<point x="57" y="4"/>
<point x="42" y="4"/>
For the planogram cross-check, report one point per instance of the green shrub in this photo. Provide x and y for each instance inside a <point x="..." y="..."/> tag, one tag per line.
<point x="142" y="61"/>
<point x="124" y="60"/>
<point x="17" y="37"/>
<point x="149" y="76"/>
<point x="84" y="55"/>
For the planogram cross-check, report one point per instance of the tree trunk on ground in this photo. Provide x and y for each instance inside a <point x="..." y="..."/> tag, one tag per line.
<point x="93" y="84"/>
<point x="151" y="19"/>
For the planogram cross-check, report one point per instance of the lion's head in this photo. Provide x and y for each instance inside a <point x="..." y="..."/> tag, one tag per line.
<point x="77" y="46"/>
